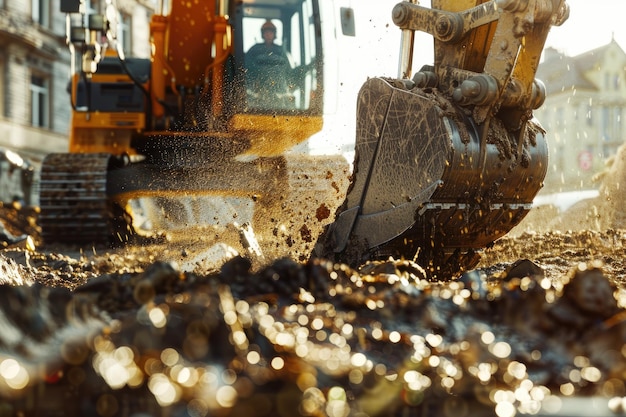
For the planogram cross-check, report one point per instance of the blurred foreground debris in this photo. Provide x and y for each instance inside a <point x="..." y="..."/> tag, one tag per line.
<point x="318" y="339"/>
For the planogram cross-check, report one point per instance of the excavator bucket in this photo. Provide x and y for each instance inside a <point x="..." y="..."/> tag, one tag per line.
<point x="430" y="185"/>
<point x="448" y="162"/>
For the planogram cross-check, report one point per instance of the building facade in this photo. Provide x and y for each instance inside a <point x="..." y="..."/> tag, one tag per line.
<point x="583" y="113"/>
<point x="35" y="108"/>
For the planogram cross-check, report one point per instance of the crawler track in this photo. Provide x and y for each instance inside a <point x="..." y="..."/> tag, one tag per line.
<point x="73" y="199"/>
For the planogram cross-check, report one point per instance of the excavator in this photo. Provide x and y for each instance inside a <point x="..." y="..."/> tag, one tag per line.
<point x="446" y="160"/>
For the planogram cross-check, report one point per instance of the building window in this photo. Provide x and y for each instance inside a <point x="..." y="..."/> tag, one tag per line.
<point x="92" y="6"/>
<point x="40" y="12"/>
<point x="611" y="123"/>
<point x="589" y="115"/>
<point x="124" y="33"/>
<point x="2" y="84"/>
<point x="605" y="123"/>
<point x="39" y="101"/>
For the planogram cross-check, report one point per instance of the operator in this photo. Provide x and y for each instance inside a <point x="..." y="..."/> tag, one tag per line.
<point x="268" y="71"/>
<point x="267" y="50"/>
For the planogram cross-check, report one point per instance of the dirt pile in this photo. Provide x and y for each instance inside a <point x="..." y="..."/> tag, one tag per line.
<point x="607" y="210"/>
<point x="314" y="339"/>
<point x="604" y="212"/>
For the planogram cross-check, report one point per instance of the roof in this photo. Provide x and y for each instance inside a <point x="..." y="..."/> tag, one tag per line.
<point x="560" y="72"/>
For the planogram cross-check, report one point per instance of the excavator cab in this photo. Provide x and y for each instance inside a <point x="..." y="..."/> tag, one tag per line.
<point x="219" y="75"/>
<point x="279" y="56"/>
<point x="239" y="73"/>
<point x="279" y="72"/>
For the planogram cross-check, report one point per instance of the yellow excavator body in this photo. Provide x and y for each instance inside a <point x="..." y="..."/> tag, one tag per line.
<point x="186" y="121"/>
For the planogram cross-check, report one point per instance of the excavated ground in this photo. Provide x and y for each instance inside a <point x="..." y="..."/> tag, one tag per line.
<point x="148" y="329"/>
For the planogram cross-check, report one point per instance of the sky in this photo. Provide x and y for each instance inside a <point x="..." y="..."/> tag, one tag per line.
<point x="592" y="23"/>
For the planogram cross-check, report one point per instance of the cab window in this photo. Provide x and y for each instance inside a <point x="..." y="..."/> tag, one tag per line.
<point x="279" y="56"/>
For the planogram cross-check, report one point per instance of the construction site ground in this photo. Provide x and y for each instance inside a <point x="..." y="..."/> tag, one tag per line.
<point x="149" y="328"/>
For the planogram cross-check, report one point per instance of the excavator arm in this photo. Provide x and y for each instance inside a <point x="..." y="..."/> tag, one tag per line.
<point x="450" y="160"/>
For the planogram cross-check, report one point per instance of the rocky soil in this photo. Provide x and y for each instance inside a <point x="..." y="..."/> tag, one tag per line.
<point x="148" y="329"/>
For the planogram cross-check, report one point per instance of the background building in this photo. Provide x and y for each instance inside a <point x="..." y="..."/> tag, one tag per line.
<point x="583" y="113"/>
<point x="35" y="69"/>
